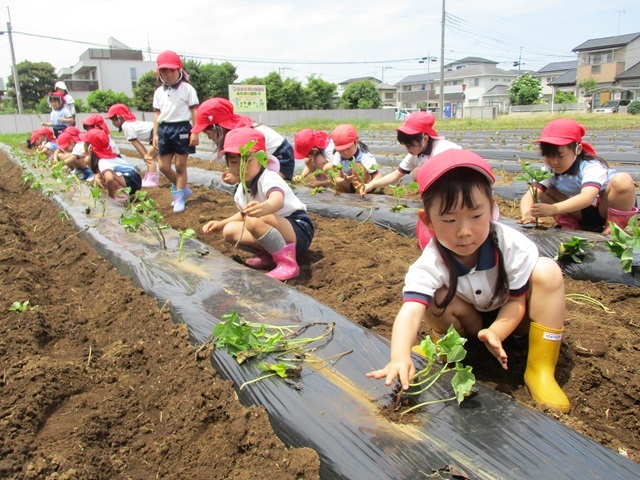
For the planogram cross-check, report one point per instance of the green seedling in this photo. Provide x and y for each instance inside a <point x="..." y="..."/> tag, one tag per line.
<point x="96" y="196"/>
<point x="399" y="191"/>
<point x="245" y="157"/>
<point x="244" y="340"/>
<point x="333" y="174"/>
<point x="63" y="215"/>
<point x="18" y="307"/>
<point x="358" y="170"/>
<point x="28" y="177"/>
<point x="449" y="348"/>
<point x="573" y="250"/>
<point x="533" y="176"/>
<point x="623" y="243"/>
<point x="141" y="213"/>
<point x="188" y="233"/>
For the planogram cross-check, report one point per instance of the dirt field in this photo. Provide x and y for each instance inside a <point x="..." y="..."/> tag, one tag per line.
<point x="98" y="383"/>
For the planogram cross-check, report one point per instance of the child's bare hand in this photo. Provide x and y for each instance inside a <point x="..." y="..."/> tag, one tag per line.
<point x="212" y="226"/>
<point x="229" y="178"/>
<point x="297" y="179"/>
<point x="494" y="345"/>
<point x="543" y="210"/>
<point x="253" y="209"/>
<point x="526" y="218"/>
<point x="194" y="140"/>
<point x="403" y="369"/>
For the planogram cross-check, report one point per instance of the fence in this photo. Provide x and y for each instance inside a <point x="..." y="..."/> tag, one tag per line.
<point x="548" y="108"/>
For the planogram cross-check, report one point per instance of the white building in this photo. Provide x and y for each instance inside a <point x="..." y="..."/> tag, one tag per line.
<point x="116" y="68"/>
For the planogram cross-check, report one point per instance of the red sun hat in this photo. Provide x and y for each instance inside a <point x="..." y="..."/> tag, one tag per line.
<point x="169" y="59"/>
<point x="218" y="111"/>
<point x="99" y="142"/>
<point x="239" y="137"/>
<point x="47" y="132"/>
<point x="306" y="140"/>
<point x="439" y="164"/>
<point x="121" y="110"/>
<point x="419" y="122"/>
<point x="66" y="137"/>
<point x="96" y="120"/>
<point x="563" y="131"/>
<point x="344" y="136"/>
<point x="57" y="95"/>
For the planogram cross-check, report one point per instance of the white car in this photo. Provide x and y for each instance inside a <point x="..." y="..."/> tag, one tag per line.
<point x="611" y="106"/>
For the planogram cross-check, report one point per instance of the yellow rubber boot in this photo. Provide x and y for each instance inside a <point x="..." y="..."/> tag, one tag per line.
<point x="539" y="377"/>
<point x="435" y="336"/>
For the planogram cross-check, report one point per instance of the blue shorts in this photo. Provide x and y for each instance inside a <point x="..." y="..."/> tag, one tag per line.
<point x="303" y="226"/>
<point x="133" y="181"/>
<point x="174" y="138"/>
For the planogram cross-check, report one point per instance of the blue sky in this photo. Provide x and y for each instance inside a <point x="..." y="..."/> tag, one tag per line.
<point x="332" y="39"/>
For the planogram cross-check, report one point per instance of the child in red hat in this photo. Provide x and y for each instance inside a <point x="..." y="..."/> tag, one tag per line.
<point x="484" y="278"/>
<point x="216" y="117"/>
<point x="111" y="171"/>
<point x="43" y="141"/>
<point x="71" y="151"/>
<point x="358" y="166"/>
<point x="316" y="149"/>
<point x="137" y="132"/>
<point x="61" y="117"/>
<point x="583" y="191"/>
<point x="421" y="141"/>
<point x="174" y="104"/>
<point x="273" y="222"/>
<point x="96" y="121"/>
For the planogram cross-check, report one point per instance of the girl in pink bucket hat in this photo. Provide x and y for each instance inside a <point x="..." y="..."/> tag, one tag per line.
<point x="174" y="106"/>
<point x="583" y="192"/>
<point x="273" y="223"/>
<point x="480" y="277"/>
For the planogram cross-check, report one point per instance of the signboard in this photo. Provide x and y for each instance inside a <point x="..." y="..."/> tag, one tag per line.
<point x="248" y="98"/>
<point x="447" y="110"/>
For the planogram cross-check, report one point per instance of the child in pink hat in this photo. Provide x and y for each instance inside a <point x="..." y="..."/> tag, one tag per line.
<point x="483" y="278"/>
<point x="174" y="104"/>
<point x="583" y="192"/>
<point x="138" y="133"/>
<point x="316" y="149"/>
<point x="421" y="141"/>
<point x="354" y="158"/>
<point x="272" y="223"/>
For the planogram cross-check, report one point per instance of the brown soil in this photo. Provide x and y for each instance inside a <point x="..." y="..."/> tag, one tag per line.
<point x="94" y="379"/>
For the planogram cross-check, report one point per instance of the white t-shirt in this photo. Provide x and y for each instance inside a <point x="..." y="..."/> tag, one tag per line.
<point x="411" y="162"/>
<point x="272" y="138"/>
<point x="367" y="160"/>
<point x="475" y="286"/>
<point x="269" y="182"/>
<point x="138" y="130"/>
<point x="116" y="164"/>
<point x="175" y="104"/>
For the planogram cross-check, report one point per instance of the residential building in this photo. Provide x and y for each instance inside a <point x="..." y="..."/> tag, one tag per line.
<point x="557" y="76"/>
<point x="468" y="82"/>
<point x="388" y="93"/>
<point x="613" y="63"/>
<point x="117" y="68"/>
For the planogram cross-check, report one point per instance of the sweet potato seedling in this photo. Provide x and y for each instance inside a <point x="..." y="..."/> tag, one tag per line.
<point x="533" y="176"/>
<point x="573" y="250"/>
<point x="184" y="234"/>
<point x="245" y="157"/>
<point x="450" y="349"/>
<point x="623" y="243"/>
<point x="18" y="307"/>
<point x="96" y="196"/>
<point x="141" y="213"/>
<point x="399" y="191"/>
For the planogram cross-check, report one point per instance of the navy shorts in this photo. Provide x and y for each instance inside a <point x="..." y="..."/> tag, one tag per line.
<point x="591" y="218"/>
<point x="174" y="138"/>
<point x="284" y="154"/>
<point x="133" y="181"/>
<point x="303" y="226"/>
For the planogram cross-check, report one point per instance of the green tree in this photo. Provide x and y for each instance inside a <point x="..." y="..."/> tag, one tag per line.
<point x="217" y="80"/>
<point x="294" y="95"/>
<point x="36" y="80"/>
<point x="634" y="108"/>
<point x="565" y="97"/>
<point x="363" y="94"/>
<point x="273" y="83"/>
<point x="101" y="100"/>
<point x="143" y="93"/>
<point x="320" y="93"/>
<point x="525" y="90"/>
<point x="588" y="84"/>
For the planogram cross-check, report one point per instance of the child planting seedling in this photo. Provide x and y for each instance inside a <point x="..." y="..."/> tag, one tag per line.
<point x="272" y="222"/>
<point x="450" y="349"/>
<point x="533" y="176"/>
<point x="574" y="249"/>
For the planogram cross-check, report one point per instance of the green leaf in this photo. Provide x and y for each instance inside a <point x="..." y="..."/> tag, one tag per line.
<point x="463" y="381"/>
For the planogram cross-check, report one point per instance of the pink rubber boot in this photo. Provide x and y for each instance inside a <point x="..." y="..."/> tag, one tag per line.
<point x="150" y="180"/>
<point x="566" y="221"/>
<point x="261" y="261"/>
<point x="286" y="265"/>
<point x="619" y="217"/>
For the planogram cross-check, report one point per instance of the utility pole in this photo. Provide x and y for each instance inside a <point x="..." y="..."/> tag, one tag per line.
<point x="16" y="80"/>
<point x="428" y="59"/>
<point x="442" y="62"/>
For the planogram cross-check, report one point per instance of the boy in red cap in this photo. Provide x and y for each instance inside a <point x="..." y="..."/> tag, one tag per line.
<point x="111" y="172"/>
<point x="484" y="278"/>
<point x="272" y="222"/>
<point x="61" y="117"/>
<point x="137" y="132"/>
<point x="174" y="104"/>
<point x="421" y="141"/>
<point x="583" y="191"/>
<point x="216" y="117"/>
<point x="43" y="141"/>
<point x="72" y="152"/>
<point x="358" y="166"/>
<point x="316" y="149"/>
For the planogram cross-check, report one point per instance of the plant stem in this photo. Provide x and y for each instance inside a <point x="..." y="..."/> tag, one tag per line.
<point x="258" y="379"/>
<point x="431" y="402"/>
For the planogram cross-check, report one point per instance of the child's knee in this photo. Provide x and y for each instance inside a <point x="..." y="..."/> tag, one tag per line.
<point x="622" y="182"/>
<point x="547" y="274"/>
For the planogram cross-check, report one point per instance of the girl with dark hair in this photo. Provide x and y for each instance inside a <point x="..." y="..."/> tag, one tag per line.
<point x="485" y="279"/>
